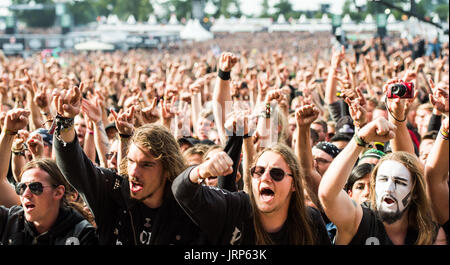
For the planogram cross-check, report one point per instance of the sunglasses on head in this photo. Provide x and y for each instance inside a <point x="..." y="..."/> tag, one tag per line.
<point x="275" y="173"/>
<point x="35" y="187"/>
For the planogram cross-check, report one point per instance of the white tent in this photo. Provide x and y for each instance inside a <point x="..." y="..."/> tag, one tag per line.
<point x="173" y="20"/>
<point x="302" y="19"/>
<point x="94" y="46"/>
<point x="194" y="31"/>
<point x="325" y="19"/>
<point x="131" y="20"/>
<point x="369" y="19"/>
<point x="152" y="19"/>
<point x="112" y="19"/>
<point x="281" y="19"/>
<point x="347" y="19"/>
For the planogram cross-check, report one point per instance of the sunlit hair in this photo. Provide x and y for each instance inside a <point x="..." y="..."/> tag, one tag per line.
<point x="161" y="144"/>
<point x="56" y="178"/>
<point x="298" y="222"/>
<point x="420" y="214"/>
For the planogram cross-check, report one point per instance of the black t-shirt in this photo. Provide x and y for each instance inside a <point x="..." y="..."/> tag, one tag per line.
<point x="371" y="231"/>
<point x="446" y="227"/>
<point x="144" y="223"/>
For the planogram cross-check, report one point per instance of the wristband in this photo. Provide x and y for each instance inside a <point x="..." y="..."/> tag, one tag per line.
<point x="267" y="111"/>
<point x="360" y="141"/>
<point x="443" y="134"/>
<point x="126" y="136"/>
<point x="9" y="132"/>
<point x="224" y="75"/>
<point x="18" y="153"/>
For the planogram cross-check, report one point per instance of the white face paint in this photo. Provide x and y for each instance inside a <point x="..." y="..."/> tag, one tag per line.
<point x="393" y="189"/>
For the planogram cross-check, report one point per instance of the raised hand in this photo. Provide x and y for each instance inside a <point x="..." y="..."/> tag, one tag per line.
<point x="306" y="115"/>
<point x="227" y="61"/>
<point x="16" y="119"/>
<point x="439" y="98"/>
<point x="220" y="164"/>
<point x="35" y="144"/>
<point x="276" y="94"/>
<point x="124" y="121"/>
<point x="337" y="57"/>
<point x="92" y="109"/>
<point x="150" y="114"/>
<point x="357" y="108"/>
<point x="378" y="130"/>
<point x="398" y="106"/>
<point x="41" y="98"/>
<point x="68" y="102"/>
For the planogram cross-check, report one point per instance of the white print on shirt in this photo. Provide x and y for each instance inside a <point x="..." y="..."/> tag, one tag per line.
<point x="236" y="236"/>
<point x="145" y="237"/>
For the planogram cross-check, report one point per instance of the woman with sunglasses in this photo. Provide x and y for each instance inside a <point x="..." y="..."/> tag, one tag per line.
<point x="273" y="212"/>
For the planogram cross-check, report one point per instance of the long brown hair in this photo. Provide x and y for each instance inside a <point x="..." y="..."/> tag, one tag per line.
<point x="56" y="178"/>
<point x="298" y="222"/>
<point x="420" y="214"/>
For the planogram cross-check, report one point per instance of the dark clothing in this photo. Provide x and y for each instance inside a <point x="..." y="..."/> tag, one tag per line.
<point x="435" y="122"/>
<point x="446" y="227"/>
<point x="120" y="219"/>
<point x="338" y="109"/>
<point x="371" y="230"/>
<point x="70" y="228"/>
<point x="233" y="149"/>
<point x="227" y="217"/>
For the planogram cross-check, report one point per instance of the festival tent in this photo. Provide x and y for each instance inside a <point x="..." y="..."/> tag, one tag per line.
<point x="194" y="31"/>
<point x="94" y="46"/>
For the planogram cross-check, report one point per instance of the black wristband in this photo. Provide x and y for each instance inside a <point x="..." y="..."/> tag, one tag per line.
<point x="125" y="135"/>
<point x="224" y="75"/>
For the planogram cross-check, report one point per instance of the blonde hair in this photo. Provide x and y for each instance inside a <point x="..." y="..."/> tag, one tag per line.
<point x="420" y="214"/>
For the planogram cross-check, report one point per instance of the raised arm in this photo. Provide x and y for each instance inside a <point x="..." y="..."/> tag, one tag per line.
<point x="93" y="111"/>
<point x="436" y="174"/>
<point x="338" y="206"/>
<point x="15" y="120"/>
<point x="305" y="116"/>
<point x="124" y="124"/>
<point x="222" y="93"/>
<point x="397" y="109"/>
<point x="330" y="86"/>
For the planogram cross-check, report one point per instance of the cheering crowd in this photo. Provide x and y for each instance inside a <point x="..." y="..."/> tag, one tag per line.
<point x="247" y="139"/>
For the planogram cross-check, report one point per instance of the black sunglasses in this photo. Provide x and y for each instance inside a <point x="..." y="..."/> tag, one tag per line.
<point x="275" y="173"/>
<point x="35" y="187"/>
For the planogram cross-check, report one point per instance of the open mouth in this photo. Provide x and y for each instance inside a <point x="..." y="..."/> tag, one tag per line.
<point x="29" y="206"/>
<point x="266" y="194"/>
<point x="136" y="186"/>
<point x="389" y="201"/>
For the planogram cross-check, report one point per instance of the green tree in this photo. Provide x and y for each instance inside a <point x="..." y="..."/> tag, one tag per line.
<point x="37" y="18"/>
<point x="140" y="9"/>
<point x="265" y="9"/>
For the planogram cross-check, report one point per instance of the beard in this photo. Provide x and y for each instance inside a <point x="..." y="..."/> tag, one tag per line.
<point x="390" y="217"/>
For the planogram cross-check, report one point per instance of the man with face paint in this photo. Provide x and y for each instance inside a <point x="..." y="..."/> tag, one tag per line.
<point x="398" y="211"/>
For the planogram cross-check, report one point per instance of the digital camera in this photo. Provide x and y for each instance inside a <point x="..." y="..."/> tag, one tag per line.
<point x="400" y="90"/>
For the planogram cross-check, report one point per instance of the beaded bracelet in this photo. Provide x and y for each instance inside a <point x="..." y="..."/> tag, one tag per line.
<point x="444" y="134"/>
